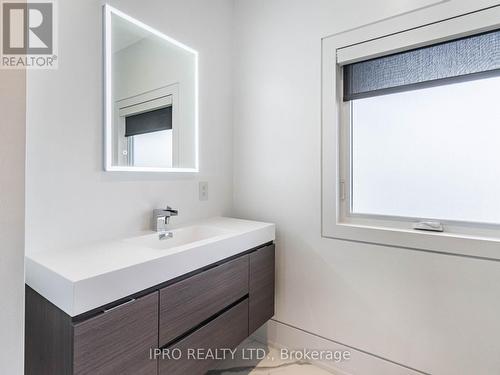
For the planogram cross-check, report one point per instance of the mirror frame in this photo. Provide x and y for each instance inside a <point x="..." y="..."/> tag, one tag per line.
<point x="108" y="95"/>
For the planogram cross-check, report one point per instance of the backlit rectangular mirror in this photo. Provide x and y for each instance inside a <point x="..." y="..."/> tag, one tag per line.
<point x="151" y="98"/>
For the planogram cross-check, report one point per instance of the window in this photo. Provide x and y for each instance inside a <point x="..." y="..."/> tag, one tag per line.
<point x="145" y="131"/>
<point x="425" y="132"/>
<point x="152" y="149"/>
<point x="432" y="153"/>
<point x="149" y="136"/>
<point x="411" y="135"/>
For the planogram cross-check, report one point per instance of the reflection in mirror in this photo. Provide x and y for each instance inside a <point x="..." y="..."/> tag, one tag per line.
<point x="151" y="99"/>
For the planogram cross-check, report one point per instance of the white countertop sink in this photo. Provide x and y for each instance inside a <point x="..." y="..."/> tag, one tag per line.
<point x="80" y="279"/>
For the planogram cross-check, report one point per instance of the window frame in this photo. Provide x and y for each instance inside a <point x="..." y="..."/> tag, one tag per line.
<point x="464" y="238"/>
<point x="161" y="97"/>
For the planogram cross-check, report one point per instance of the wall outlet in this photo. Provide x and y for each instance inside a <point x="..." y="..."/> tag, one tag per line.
<point x="203" y="191"/>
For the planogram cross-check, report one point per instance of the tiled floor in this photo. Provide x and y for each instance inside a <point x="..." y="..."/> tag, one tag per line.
<point x="271" y="364"/>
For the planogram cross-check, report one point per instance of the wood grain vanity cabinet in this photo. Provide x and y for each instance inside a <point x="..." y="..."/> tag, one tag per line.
<point x="262" y="286"/>
<point x="190" y="302"/>
<point x="214" y="307"/>
<point x="119" y="340"/>
<point x="226" y="331"/>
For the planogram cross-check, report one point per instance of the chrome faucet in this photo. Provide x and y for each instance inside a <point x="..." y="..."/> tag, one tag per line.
<point x="161" y="218"/>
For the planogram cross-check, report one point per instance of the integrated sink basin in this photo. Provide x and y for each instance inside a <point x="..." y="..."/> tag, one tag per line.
<point x="179" y="237"/>
<point x="80" y="279"/>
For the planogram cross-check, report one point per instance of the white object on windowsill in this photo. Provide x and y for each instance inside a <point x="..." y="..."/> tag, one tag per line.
<point x="433" y="226"/>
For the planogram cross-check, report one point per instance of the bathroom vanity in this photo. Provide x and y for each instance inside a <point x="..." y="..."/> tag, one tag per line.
<point x="120" y="307"/>
<point x="109" y="307"/>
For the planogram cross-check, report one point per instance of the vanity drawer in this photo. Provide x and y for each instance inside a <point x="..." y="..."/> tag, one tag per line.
<point x="226" y="331"/>
<point x="261" y="296"/>
<point x="190" y="302"/>
<point x="118" y="341"/>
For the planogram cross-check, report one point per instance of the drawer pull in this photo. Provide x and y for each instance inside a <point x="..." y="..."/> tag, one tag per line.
<point x="120" y="305"/>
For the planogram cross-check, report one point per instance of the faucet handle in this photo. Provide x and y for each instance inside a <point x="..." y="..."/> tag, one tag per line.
<point x="172" y="211"/>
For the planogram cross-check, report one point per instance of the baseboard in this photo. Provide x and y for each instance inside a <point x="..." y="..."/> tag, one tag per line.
<point x="281" y="335"/>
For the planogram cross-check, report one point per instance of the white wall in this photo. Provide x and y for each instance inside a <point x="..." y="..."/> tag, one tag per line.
<point x="431" y="312"/>
<point x="12" y="161"/>
<point x="70" y="200"/>
<point x="436" y="313"/>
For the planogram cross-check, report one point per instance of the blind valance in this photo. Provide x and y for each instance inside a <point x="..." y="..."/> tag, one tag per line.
<point x="148" y="122"/>
<point x="467" y="58"/>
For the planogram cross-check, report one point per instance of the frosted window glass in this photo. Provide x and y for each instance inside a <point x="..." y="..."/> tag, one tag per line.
<point x="153" y="149"/>
<point x="432" y="153"/>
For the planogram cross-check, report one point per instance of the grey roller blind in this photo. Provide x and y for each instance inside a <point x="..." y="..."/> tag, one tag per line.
<point x="461" y="59"/>
<point x="148" y="122"/>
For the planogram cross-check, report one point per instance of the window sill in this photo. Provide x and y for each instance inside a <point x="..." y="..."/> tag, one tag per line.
<point x="445" y="243"/>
